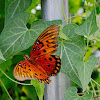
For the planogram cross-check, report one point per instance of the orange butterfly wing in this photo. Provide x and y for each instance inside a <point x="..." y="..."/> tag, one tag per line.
<point x="24" y="70"/>
<point x="50" y="63"/>
<point x="46" y="42"/>
<point x="42" y="63"/>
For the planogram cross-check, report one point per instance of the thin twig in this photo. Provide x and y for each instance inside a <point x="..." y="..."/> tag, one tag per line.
<point x="63" y="11"/>
<point x="95" y="82"/>
<point x="12" y="79"/>
<point x="93" y="88"/>
<point x="97" y="96"/>
<point x="70" y="18"/>
<point x="6" y="89"/>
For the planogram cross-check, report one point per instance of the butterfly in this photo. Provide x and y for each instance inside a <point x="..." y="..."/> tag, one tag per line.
<point x="41" y="64"/>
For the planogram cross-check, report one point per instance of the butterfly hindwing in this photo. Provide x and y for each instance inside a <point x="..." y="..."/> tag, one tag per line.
<point x="50" y="63"/>
<point x="46" y="42"/>
<point x="24" y="70"/>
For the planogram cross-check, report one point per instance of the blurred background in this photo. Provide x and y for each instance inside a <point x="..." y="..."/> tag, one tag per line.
<point x="79" y="10"/>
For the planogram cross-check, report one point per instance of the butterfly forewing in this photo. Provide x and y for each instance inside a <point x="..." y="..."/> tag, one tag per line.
<point x="46" y="42"/>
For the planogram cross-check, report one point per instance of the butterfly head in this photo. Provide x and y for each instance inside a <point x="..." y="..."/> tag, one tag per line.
<point x="26" y="57"/>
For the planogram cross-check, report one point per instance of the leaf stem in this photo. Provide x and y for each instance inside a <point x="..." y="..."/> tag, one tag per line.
<point x="87" y="44"/>
<point x="12" y="79"/>
<point x="95" y="82"/>
<point x="70" y="18"/>
<point x="93" y="88"/>
<point x="63" y="11"/>
<point x="6" y="89"/>
<point x="86" y="49"/>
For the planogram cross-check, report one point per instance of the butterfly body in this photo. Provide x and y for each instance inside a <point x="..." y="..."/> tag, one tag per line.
<point x="41" y="64"/>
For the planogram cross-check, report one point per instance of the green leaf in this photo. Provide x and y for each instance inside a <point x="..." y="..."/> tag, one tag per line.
<point x="16" y="36"/>
<point x="67" y="49"/>
<point x="90" y="1"/>
<point x="57" y="22"/>
<point x="9" y="38"/>
<point x="5" y="65"/>
<point x="84" y="69"/>
<point x="71" y="94"/>
<point x="39" y="87"/>
<point x="63" y="36"/>
<point x="14" y="7"/>
<point x="1" y="56"/>
<point x="96" y="36"/>
<point x="30" y="92"/>
<point x="89" y="26"/>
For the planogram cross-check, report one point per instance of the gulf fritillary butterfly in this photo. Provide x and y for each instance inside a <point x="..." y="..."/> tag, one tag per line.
<point x="41" y="64"/>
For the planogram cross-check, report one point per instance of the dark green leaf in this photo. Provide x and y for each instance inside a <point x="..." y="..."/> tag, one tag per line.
<point x="16" y="36"/>
<point x="67" y="49"/>
<point x="89" y="26"/>
<point x="63" y="36"/>
<point x="14" y="7"/>
<point x="84" y="69"/>
<point x="71" y="94"/>
<point x="30" y="92"/>
<point x="57" y="22"/>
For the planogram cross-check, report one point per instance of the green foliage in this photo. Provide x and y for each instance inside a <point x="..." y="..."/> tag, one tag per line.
<point x="71" y="94"/>
<point x="74" y="5"/>
<point x="39" y="87"/>
<point x="84" y="69"/>
<point x="37" y="15"/>
<point x="67" y="49"/>
<point x="2" y="14"/>
<point x="57" y="22"/>
<point x="29" y="91"/>
<point x="1" y="56"/>
<point x="89" y="26"/>
<point x="77" y="62"/>
<point x="14" y="7"/>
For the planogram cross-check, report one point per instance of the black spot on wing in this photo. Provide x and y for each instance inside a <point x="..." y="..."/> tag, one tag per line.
<point x="47" y="41"/>
<point x="48" y="65"/>
<point x="44" y="50"/>
<point x="44" y="58"/>
<point x="50" y="59"/>
<point x="35" y="74"/>
<point x="47" y="45"/>
<point x="38" y="53"/>
<point x="29" y="69"/>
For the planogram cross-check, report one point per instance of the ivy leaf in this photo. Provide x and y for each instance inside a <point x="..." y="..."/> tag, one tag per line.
<point x="1" y="56"/>
<point x="84" y="69"/>
<point x="14" y="7"/>
<point x="39" y="87"/>
<point x="57" y="22"/>
<point x="71" y="94"/>
<point x="89" y="26"/>
<point x="63" y="36"/>
<point x="16" y="36"/>
<point x="5" y="65"/>
<point x="30" y="92"/>
<point x="67" y="49"/>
